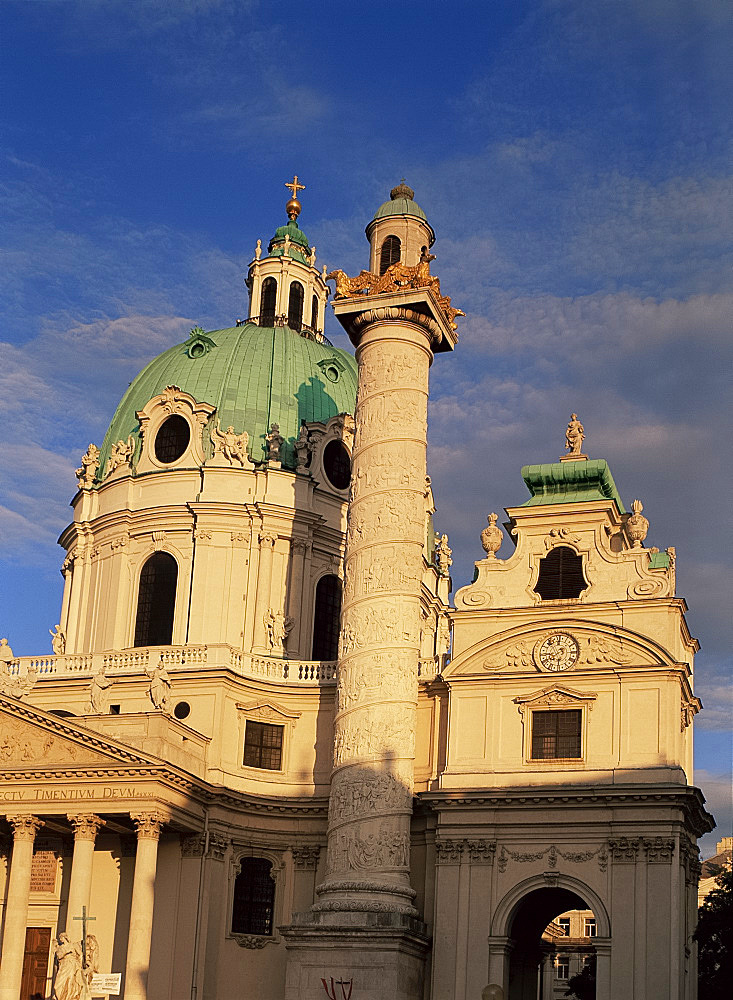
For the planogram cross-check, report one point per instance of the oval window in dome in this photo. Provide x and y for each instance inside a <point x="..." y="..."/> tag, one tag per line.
<point x="172" y="439"/>
<point x="337" y="464"/>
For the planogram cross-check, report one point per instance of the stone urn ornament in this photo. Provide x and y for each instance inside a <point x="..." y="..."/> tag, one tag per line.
<point x="637" y="525"/>
<point x="492" y="537"/>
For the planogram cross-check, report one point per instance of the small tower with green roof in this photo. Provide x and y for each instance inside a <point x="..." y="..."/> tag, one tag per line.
<point x="398" y="231"/>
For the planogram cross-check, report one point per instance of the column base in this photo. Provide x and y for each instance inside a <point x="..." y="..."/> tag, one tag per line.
<point x="375" y="954"/>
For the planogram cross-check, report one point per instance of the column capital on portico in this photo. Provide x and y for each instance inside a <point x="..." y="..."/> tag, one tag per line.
<point x="25" y="827"/>
<point x="148" y="824"/>
<point x="86" y="825"/>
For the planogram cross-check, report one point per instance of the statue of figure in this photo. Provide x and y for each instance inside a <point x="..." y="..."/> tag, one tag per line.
<point x="312" y="257"/>
<point x="68" y="981"/>
<point x="231" y="445"/>
<point x="258" y="250"/>
<point x="278" y="626"/>
<point x="98" y="697"/>
<point x="159" y="690"/>
<point x="91" y="963"/>
<point x="302" y="447"/>
<point x="286" y="246"/>
<point x="492" y="537"/>
<point x="443" y="555"/>
<point x="120" y="454"/>
<point x="574" y="435"/>
<point x="6" y="653"/>
<point x="58" y="640"/>
<point x="275" y="442"/>
<point x="88" y="469"/>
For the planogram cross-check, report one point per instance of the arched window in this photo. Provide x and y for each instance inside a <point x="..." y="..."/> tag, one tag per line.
<point x="268" y="302"/>
<point x="326" y="621"/>
<point x="254" y="897"/>
<point x="561" y="575"/>
<point x="314" y="313"/>
<point x="391" y="252"/>
<point x="156" y="601"/>
<point x="295" y="305"/>
<point x="172" y="439"/>
<point x="337" y="464"/>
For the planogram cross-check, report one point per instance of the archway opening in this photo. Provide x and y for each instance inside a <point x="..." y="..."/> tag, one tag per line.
<point x="552" y="931"/>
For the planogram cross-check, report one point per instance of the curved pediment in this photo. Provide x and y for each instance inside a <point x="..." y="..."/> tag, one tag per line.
<point x="585" y="645"/>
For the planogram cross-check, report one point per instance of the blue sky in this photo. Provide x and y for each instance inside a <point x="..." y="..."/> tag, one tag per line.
<point x="573" y="157"/>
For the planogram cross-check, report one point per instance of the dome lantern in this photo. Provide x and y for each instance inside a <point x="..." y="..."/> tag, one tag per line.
<point x="285" y="287"/>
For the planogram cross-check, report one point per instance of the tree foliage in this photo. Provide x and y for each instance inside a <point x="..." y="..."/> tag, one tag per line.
<point x="714" y="936"/>
<point x="583" y="986"/>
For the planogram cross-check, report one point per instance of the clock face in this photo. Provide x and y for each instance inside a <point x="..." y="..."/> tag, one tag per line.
<point x="558" y="651"/>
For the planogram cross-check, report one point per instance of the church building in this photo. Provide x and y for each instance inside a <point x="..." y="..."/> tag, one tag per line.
<point x="271" y="755"/>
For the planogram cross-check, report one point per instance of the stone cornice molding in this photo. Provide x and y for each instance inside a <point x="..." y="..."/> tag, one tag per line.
<point x="25" y="827"/>
<point x="556" y="696"/>
<point x="86" y="825"/>
<point x="267" y="711"/>
<point x="396" y="314"/>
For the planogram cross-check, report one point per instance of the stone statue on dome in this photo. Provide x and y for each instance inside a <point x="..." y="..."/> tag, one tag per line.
<point x="302" y="446"/>
<point x="88" y="468"/>
<point x="120" y="454"/>
<point x="229" y="444"/>
<point x="443" y="555"/>
<point x="6" y="653"/>
<point x="275" y="441"/>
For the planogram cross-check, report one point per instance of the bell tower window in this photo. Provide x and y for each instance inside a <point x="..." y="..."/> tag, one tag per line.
<point x="295" y="305"/>
<point x="390" y="254"/>
<point x="326" y="621"/>
<point x="268" y="302"/>
<point x="314" y="313"/>
<point x="156" y="601"/>
<point x="561" y="575"/>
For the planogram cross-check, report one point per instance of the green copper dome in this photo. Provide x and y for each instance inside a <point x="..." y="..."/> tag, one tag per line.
<point x="298" y="240"/>
<point x="255" y="376"/>
<point x="400" y="206"/>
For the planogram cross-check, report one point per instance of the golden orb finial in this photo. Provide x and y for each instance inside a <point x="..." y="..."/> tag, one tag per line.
<point x="293" y="207"/>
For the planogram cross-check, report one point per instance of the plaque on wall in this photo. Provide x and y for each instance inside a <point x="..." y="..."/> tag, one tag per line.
<point x="46" y="854"/>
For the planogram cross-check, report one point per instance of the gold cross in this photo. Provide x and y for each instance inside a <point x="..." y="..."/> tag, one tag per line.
<point x="294" y="186"/>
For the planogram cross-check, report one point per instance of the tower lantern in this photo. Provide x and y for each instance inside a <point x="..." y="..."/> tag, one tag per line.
<point x="399" y="231"/>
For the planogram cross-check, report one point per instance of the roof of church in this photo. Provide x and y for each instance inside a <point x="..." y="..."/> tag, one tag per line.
<point x="400" y="206"/>
<point x="570" y="482"/>
<point x="255" y="376"/>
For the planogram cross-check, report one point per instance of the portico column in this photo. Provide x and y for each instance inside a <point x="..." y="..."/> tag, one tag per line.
<point x="86" y="828"/>
<point x="25" y="829"/>
<point x="148" y="827"/>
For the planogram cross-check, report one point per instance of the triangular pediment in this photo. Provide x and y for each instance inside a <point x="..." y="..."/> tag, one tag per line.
<point x="32" y="738"/>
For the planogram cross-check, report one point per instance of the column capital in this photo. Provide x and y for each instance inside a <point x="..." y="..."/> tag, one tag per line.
<point x="86" y="825"/>
<point x="148" y="824"/>
<point x="268" y="538"/>
<point x="25" y="827"/>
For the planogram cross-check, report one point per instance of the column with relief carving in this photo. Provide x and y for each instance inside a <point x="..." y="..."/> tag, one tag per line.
<point x="86" y="828"/>
<point x="148" y="826"/>
<point x="367" y="883"/>
<point x="25" y="829"/>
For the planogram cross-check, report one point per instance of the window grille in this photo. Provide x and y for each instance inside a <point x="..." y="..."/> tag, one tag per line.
<point x="326" y="621"/>
<point x="268" y="302"/>
<point x="263" y="745"/>
<point x="156" y="601"/>
<point x="556" y="735"/>
<point x="295" y="305"/>
<point x="561" y="575"/>
<point x="390" y="254"/>
<point x="254" y="897"/>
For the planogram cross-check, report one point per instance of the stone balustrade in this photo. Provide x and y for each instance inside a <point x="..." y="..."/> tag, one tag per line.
<point x="135" y="661"/>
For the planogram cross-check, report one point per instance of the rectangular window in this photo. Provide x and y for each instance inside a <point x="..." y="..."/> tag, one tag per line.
<point x="263" y="745"/>
<point x="556" y="735"/>
<point x="590" y="927"/>
<point x="564" y="923"/>
<point x="562" y="967"/>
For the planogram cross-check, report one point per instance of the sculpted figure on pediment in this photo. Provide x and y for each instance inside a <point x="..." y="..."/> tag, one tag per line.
<point x="98" y="697"/>
<point x="230" y="445"/>
<point x="15" y="685"/>
<point x="274" y="441"/>
<point x="303" y="448"/>
<point x="159" y="689"/>
<point x="6" y="652"/>
<point x="88" y="468"/>
<point x="443" y="554"/>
